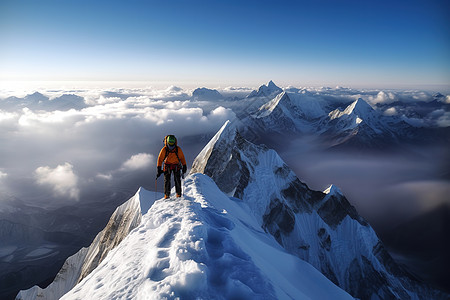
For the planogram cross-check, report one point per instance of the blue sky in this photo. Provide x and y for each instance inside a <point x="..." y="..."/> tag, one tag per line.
<point x="220" y="43"/>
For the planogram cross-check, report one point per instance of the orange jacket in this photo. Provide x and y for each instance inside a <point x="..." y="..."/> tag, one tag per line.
<point x="171" y="157"/>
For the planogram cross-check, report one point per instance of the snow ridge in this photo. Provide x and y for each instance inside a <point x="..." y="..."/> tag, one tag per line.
<point x="321" y="228"/>
<point x="204" y="245"/>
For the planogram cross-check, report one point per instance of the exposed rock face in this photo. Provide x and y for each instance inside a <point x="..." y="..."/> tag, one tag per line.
<point x="202" y="94"/>
<point x="124" y="219"/>
<point x="226" y="159"/>
<point x="322" y="228"/>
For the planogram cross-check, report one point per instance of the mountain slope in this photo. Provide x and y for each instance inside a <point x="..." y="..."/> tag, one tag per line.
<point x="203" y="245"/>
<point x="125" y="218"/>
<point x="289" y="112"/>
<point x="321" y="228"/>
<point x="360" y="125"/>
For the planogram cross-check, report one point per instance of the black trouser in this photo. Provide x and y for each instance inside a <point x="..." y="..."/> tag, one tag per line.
<point x="177" y="178"/>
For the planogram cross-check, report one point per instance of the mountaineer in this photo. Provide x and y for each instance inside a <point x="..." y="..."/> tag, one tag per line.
<point x="174" y="162"/>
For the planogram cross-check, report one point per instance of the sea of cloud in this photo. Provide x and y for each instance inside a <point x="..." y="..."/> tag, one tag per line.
<point x="59" y="147"/>
<point x="64" y="144"/>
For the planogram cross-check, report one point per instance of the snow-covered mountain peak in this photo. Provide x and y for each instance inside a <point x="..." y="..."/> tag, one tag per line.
<point x="36" y="97"/>
<point x="272" y="86"/>
<point x="222" y="154"/>
<point x="359" y="108"/>
<point x="290" y="112"/>
<point x="221" y="139"/>
<point x="333" y="190"/>
<point x="361" y="125"/>
<point x="268" y="108"/>
<point x="323" y="229"/>
<point x="269" y="91"/>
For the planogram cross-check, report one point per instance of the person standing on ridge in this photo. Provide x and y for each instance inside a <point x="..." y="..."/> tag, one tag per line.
<point x="174" y="163"/>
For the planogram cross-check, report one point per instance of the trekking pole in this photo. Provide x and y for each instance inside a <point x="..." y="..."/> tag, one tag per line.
<point x="156" y="186"/>
<point x="182" y="184"/>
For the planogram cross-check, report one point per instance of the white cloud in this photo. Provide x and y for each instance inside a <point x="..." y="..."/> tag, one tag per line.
<point x="138" y="161"/>
<point x="5" y="116"/>
<point x="444" y="120"/>
<point x="62" y="180"/>
<point x="105" y="176"/>
<point x="390" y="111"/>
<point x="420" y="96"/>
<point x="3" y="174"/>
<point x="220" y="112"/>
<point x="102" y="139"/>
<point x="383" y="97"/>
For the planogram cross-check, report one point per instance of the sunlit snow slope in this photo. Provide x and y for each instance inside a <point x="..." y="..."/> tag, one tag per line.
<point x="202" y="246"/>
<point x="124" y="219"/>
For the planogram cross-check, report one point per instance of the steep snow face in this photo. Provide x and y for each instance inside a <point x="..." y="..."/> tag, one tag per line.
<point x="124" y="219"/>
<point x="204" y="245"/>
<point x="322" y="228"/>
<point x="290" y="112"/>
<point x="359" y="107"/>
<point x="356" y="113"/>
<point x="360" y="125"/>
<point x="293" y="104"/>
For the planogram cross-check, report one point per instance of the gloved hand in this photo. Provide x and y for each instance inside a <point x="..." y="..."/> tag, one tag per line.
<point x="184" y="169"/>
<point x="159" y="171"/>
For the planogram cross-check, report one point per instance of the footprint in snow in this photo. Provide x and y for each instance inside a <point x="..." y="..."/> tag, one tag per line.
<point x="169" y="236"/>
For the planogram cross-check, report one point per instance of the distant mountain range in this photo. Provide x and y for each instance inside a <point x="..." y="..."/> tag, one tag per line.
<point x="40" y="102"/>
<point x="358" y="125"/>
